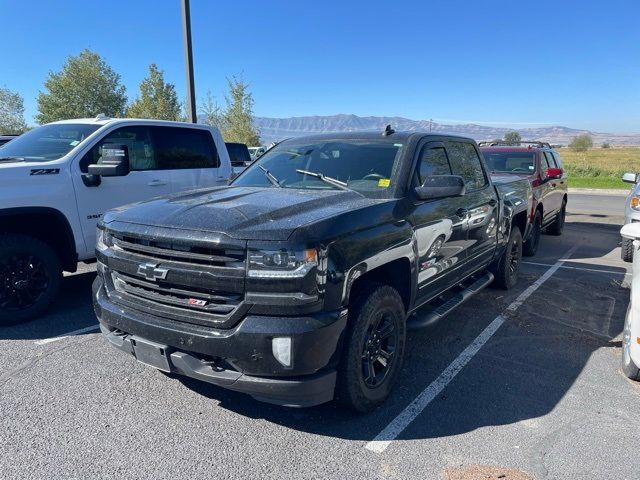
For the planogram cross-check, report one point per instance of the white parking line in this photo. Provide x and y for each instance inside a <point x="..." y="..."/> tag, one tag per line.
<point x="577" y="268"/>
<point x="380" y="443"/>
<point x="67" y="335"/>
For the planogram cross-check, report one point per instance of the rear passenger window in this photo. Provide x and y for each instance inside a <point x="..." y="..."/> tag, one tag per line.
<point x="466" y="163"/>
<point x="433" y="161"/>
<point x="557" y="159"/>
<point x="177" y="148"/>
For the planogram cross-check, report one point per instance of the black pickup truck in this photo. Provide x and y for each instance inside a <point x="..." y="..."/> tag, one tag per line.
<point x="296" y="283"/>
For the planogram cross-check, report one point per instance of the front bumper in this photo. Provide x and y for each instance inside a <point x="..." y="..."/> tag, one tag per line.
<point x="241" y="358"/>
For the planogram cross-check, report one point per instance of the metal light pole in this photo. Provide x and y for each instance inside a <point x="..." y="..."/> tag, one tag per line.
<point x="188" y="59"/>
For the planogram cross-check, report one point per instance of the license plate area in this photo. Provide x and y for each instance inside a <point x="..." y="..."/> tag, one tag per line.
<point x="151" y="353"/>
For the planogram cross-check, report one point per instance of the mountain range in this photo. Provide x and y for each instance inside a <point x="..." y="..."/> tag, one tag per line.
<point x="272" y="129"/>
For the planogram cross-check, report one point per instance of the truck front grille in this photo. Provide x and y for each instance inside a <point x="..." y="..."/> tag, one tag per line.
<point x="198" y="283"/>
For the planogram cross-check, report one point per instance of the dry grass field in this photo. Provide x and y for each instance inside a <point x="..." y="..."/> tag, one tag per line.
<point x="600" y="167"/>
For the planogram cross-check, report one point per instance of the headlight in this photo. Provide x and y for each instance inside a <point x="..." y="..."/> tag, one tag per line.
<point x="103" y="239"/>
<point x="281" y="263"/>
<point x="635" y="203"/>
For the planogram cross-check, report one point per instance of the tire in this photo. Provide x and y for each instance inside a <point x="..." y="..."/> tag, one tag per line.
<point x="30" y="275"/>
<point x="629" y="368"/>
<point x="530" y="247"/>
<point x="558" y="224"/>
<point x="508" y="266"/>
<point x="626" y="253"/>
<point x="377" y="311"/>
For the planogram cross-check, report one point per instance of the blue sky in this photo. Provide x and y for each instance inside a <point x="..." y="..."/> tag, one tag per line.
<point x="571" y="63"/>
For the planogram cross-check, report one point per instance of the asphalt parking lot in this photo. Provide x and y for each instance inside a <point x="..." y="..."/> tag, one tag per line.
<point x="524" y="384"/>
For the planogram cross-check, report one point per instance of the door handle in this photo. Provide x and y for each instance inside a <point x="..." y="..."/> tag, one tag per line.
<point x="462" y="212"/>
<point x="156" y="183"/>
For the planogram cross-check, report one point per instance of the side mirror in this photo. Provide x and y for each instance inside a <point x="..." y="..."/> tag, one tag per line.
<point x="629" y="177"/>
<point x="441" y="186"/>
<point x="113" y="163"/>
<point x="553" y="173"/>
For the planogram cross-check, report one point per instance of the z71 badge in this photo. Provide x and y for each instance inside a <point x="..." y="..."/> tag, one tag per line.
<point x="45" y="171"/>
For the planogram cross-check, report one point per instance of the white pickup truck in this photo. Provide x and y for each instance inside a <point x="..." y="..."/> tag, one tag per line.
<point x="57" y="180"/>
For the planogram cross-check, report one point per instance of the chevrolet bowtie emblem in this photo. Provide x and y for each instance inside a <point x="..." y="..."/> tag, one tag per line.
<point x="150" y="271"/>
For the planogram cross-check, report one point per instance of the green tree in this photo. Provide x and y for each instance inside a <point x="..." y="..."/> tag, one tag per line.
<point x="606" y="145"/>
<point x="11" y="112"/>
<point x="157" y="99"/>
<point x="85" y="87"/>
<point x="512" y="137"/>
<point x="237" y="117"/>
<point x="211" y="113"/>
<point x="581" y="143"/>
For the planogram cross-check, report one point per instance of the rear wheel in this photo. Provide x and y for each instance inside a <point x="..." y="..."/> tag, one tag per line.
<point x="374" y="349"/>
<point x="507" y="269"/>
<point x="30" y="274"/>
<point x="530" y="247"/>
<point x="558" y="224"/>
<point x="626" y="253"/>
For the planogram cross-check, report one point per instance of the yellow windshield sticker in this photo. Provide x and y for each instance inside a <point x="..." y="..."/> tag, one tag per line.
<point x="384" y="182"/>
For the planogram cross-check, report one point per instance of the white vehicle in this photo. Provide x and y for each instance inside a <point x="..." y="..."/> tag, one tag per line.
<point x="631" y="332"/>
<point x="57" y="180"/>
<point x="631" y="213"/>
<point x="255" y="152"/>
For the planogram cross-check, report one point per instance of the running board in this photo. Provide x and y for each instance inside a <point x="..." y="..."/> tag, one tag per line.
<point x="451" y="304"/>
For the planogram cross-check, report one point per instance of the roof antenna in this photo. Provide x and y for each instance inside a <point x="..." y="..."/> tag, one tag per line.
<point x="388" y="131"/>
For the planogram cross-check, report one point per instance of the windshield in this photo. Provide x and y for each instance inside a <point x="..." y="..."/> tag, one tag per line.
<point x="48" y="142"/>
<point x="510" y="162"/>
<point x="366" y="166"/>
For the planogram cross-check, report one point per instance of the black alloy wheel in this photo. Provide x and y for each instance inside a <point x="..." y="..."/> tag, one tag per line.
<point x="24" y="281"/>
<point x="379" y="349"/>
<point x="374" y="348"/>
<point x="30" y="277"/>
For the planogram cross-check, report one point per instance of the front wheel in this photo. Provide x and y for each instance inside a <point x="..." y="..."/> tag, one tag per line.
<point x="530" y="247"/>
<point x="374" y="349"/>
<point x="508" y="266"/>
<point x="557" y="226"/>
<point x="30" y="275"/>
<point x="627" y="250"/>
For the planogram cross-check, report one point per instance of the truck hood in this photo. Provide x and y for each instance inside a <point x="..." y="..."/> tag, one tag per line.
<point x="248" y="213"/>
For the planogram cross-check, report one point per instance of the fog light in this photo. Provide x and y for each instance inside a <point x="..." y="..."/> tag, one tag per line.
<point x="281" y="347"/>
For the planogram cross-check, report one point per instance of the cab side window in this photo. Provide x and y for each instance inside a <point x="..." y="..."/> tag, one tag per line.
<point x="139" y="145"/>
<point x="433" y="161"/>
<point x="556" y="157"/>
<point x="179" y="147"/>
<point x="466" y="163"/>
<point x="545" y="162"/>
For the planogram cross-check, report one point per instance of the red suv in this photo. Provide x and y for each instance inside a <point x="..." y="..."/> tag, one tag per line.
<point x="543" y="167"/>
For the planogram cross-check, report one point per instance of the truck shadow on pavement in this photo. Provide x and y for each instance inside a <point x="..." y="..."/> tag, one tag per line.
<point x="541" y="352"/>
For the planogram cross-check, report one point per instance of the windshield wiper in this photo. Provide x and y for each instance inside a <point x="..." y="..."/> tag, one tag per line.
<point x="11" y="159"/>
<point x="331" y="181"/>
<point x="270" y="176"/>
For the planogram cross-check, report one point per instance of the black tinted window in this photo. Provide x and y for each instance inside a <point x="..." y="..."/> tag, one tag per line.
<point x="177" y="148"/>
<point x="139" y="145"/>
<point x="433" y="161"/>
<point x="466" y="163"/>
<point x="238" y="153"/>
